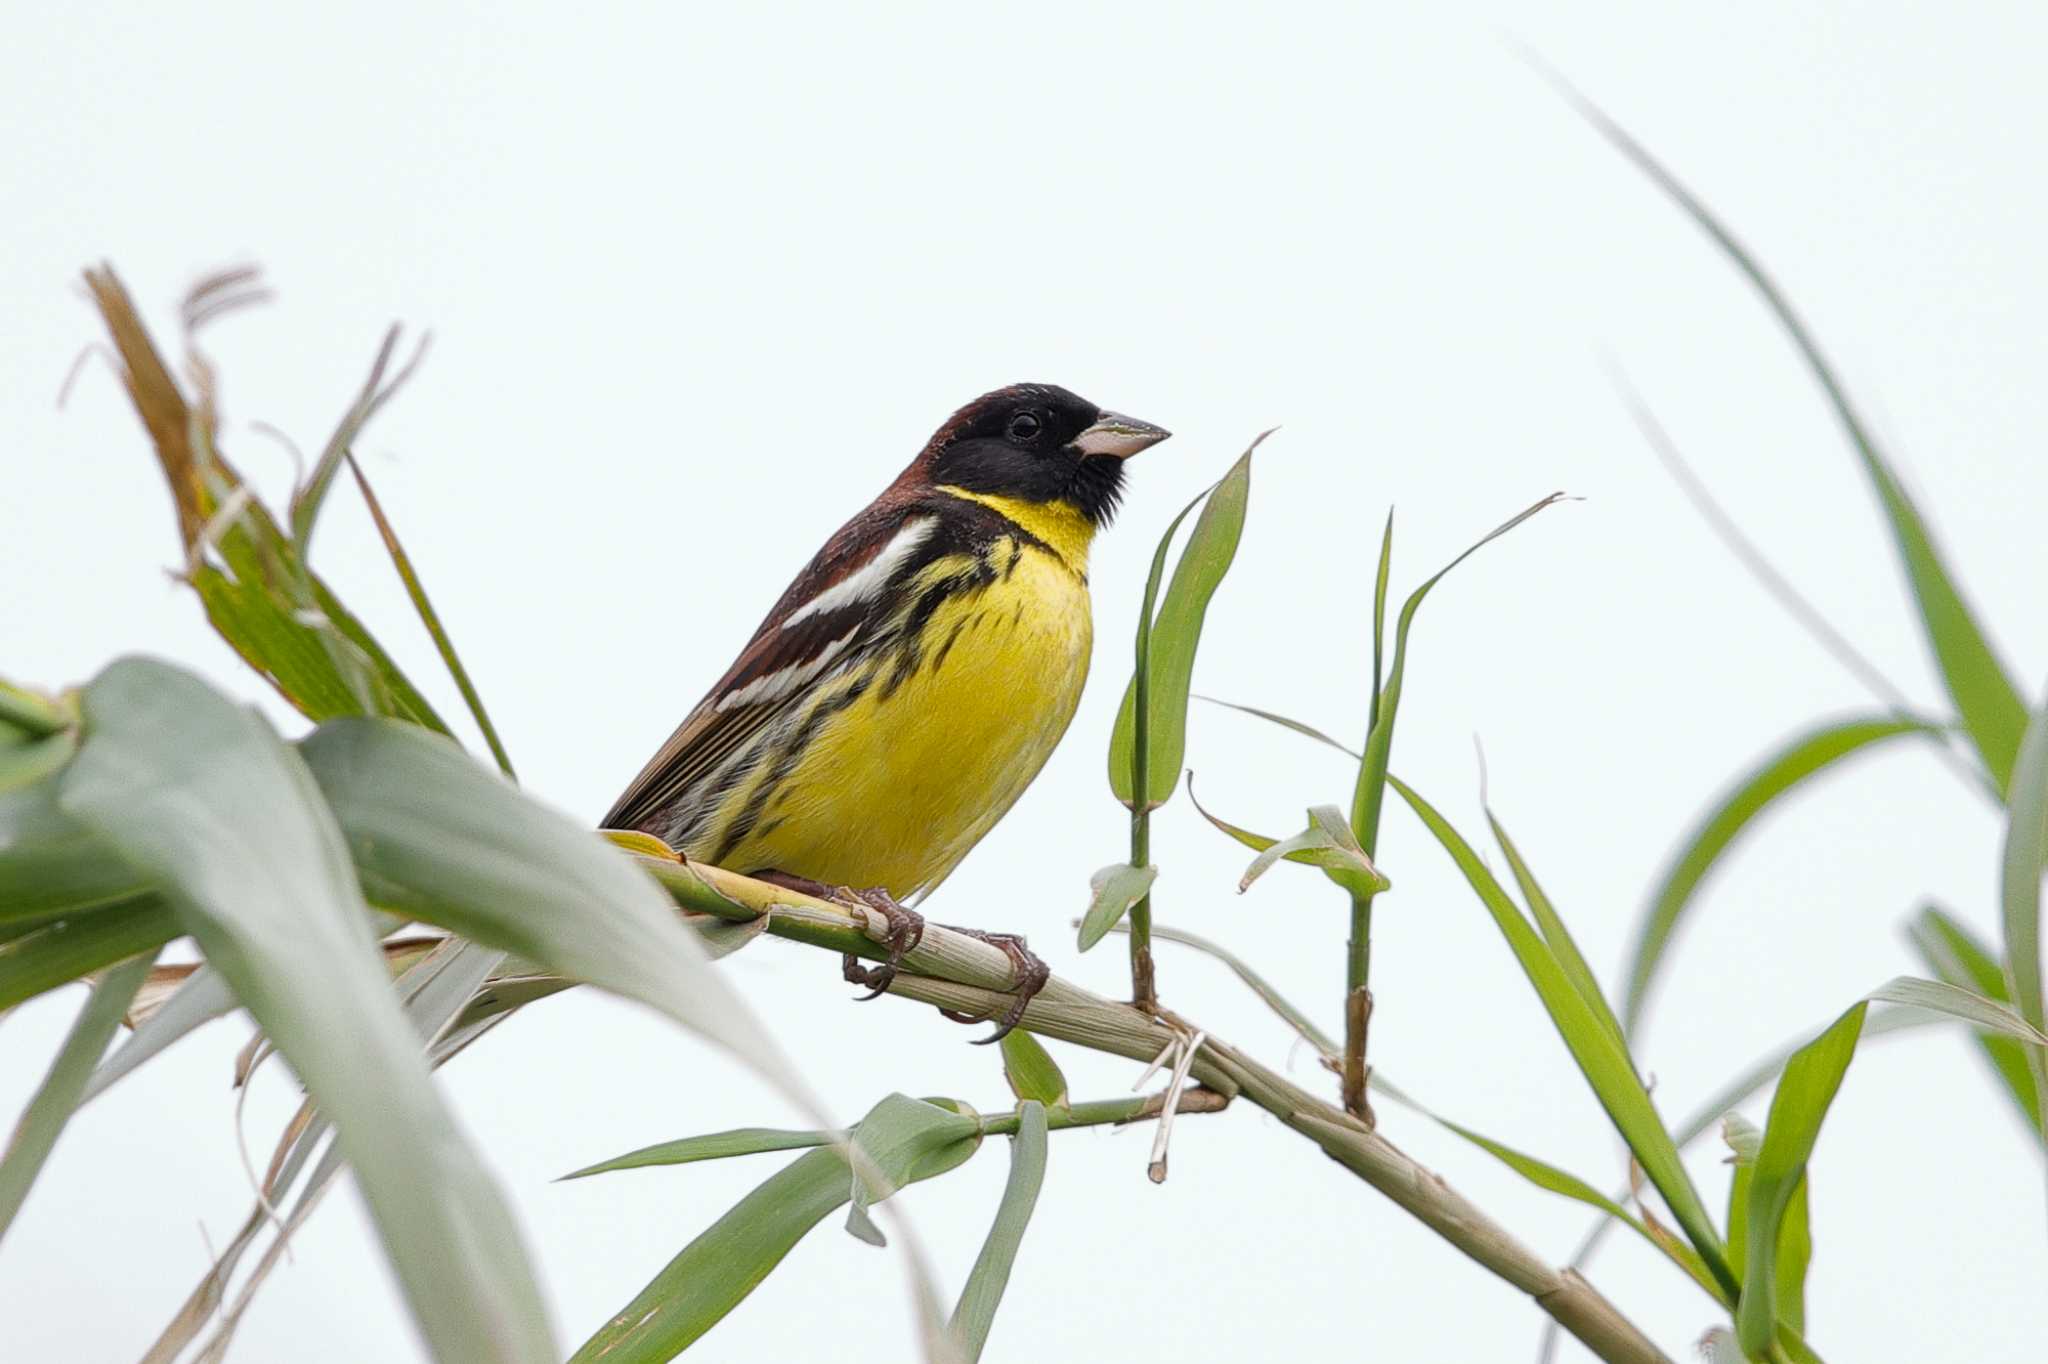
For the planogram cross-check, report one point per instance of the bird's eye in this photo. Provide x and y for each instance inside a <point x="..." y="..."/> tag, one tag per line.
<point x="1024" y="427"/>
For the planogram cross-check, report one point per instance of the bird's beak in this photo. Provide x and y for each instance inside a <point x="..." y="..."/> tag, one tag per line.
<point x="1118" y="435"/>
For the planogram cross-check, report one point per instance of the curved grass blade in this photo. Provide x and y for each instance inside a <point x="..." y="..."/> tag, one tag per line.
<point x="1805" y="756"/>
<point x="430" y="618"/>
<point x="1307" y="731"/>
<point x="26" y="714"/>
<point x="1379" y="620"/>
<point x="1955" y="954"/>
<point x="1808" y="1087"/>
<point x="1167" y="643"/>
<point x="50" y="864"/>
<point x="200" y="792"/>
<point x="204" y="996"/>
<point x="2026" y="853"/>
<point x="976" y="1311"/>
<point x="1033" y="1075"/>
<point x="1326" y="844"/>
<point x="1111" y="893"/>
<point x="57" y="1098"/>
<point x="307" y="500"/>
<point x="1986" y="698"/>
<point x="442" y="840"/>
<point x="1274" y="1000"/>
<point x="715" y="1272"/>
<point x="1370" y="794"/>
<point x="1954" y="1000"/>
<point x="1562" y="945"/>
<point x="1600" y="1055"/>
<point x="740" y="1141"/>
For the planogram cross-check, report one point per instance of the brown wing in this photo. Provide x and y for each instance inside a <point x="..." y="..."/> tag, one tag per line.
<point x="835" y="611"/>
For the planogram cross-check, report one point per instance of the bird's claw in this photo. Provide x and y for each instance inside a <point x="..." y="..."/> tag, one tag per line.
<point x="904" y="931"/>
<point x="1028" y="975"/>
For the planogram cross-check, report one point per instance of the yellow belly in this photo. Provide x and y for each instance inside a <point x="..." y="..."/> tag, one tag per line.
<point x="895" y="789"/>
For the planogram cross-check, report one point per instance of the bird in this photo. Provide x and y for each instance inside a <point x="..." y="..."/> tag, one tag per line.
<point x="912" y="681"/>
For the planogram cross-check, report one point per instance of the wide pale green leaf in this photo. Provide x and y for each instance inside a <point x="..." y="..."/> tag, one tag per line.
<point x="1986" y="698"/>
<point x="1805" y="1091"/>
<point x="983" y="1293"/>
<point x="57" y="1097"/>
<point x="1033" y="1075"/>
<point x="1599" y="1053"/>
<point x="1781" y="772"/>
<point x="715" y="1272"/>
<point x="1168" y="647"/>
<point x="2026" y="853"/>
<point x="1955" y="954"/>
<point x="1111" y="893"/>
<point x="201" y="793"/>
<point x="740" y="1141"/>
<point x="438" y="838"/>
<point x="1369" y="795"/>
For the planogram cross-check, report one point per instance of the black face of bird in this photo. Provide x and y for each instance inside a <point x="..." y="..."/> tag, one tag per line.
<point x="1041" y="443"/>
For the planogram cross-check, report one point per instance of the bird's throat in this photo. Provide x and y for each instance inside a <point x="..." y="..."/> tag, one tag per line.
<point x="1062" y="527"/>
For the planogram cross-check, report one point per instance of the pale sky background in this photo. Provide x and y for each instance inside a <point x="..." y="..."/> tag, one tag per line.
<point x="700" y="281"/>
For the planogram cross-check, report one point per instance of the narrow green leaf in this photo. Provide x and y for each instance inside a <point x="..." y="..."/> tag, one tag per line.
<point x="904" y="1134"/>
<point x="440" y="839"/>
<point x="417" y="590"/>
<point x="1127" y="753"/>
<point x="1805" y="1091"/>
<point x="35" y="1136"/>
<point x="1256" y="842"/>
<point x="983" y="1293"/>
<point x="30" y="715"/>
<point x="1305" y="730"/>
<point x="59" y="950"/>
<point x="1274" y="1000"/>
<point x="1033" y="1075"/>
<point x="1967" y="1005"/>
<point x="740" y="1141"/>
<point x="307" y="501"/>
<point x="1173" y="637"/>
<point x="1562" y="945"/>
<point x="1795" y="1254"/>
<point x="1745" y="1139"/>
<point x="1369" y="795"/>
<point x="1379" y="620"/>
<point x="1955" y="954"/>
<point x="201" y="793"/>
<point x="1600" y="1055"/>
<point x="1989" y="703"/>
<point x="1111" y="893"/>
<point x="1327" y="844"/>
<point x="715" y="1272"/>
<point x="1803" y="757"/>
<point x="2026" y="852"/>
<point x="203" y="997"/>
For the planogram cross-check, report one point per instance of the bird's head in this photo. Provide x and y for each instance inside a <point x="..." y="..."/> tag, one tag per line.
<point x="1039" y="443"/>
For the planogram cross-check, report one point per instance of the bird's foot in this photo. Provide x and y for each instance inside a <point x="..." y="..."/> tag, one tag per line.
<point x="905" y="927"/>
<point x="1028" y="975"/>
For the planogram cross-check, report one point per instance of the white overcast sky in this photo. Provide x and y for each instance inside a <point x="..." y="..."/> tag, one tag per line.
<point x="700" y="280"/>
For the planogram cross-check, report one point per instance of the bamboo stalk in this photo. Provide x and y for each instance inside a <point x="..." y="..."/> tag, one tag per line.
<point x="953" y="971"/>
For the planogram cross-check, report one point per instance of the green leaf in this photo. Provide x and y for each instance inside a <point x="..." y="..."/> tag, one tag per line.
<point x="25" y="760"/>
<point x="1988" y="702"/>
<point x="1326" y="843"/>
<point x="1955" y="954"/>
<point x="28" y="715"/>
<point x="1808" y="1086"/>
<point x="1274" y="1000"/>
<point x="740" y="1141"/>
<point x="902" y="1134"/>
<point x="976" y="1311"/>
<point x="2026" y="852"/>
<point x="1562" y="945"/>
<point x="715" y="1272"/>
<point x="58" y="1096"/>
<point x="1806" y="755"/>
<point x="1166" y="650"/>
<point x="439" y="839"/>
<point x="201" y="793"/>
<point x="1033" y="1075"/>
<point x="1305" y="730"/>
<point x="50" y="864"/>
<point x="1600" y="1055"/>
<point x="1967" y="1005"/>
<point x="1379" y="620"/>
<point x="417" y="590"/>
<point x="203" y="997"/>
<point x="307" y="501"/>
<point x="1370" y="793"/>
<point x="56" y="951"/>
<point x="1111" y="893"/>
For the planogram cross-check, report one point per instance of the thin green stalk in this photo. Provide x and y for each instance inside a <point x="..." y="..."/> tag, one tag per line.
<point x="29" y="713"/>
<point x="1102" y="1112"/>
<point x="1144" y="994"/>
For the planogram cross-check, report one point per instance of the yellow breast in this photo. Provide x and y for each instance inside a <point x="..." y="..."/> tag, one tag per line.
<point x="913" y="766"/>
